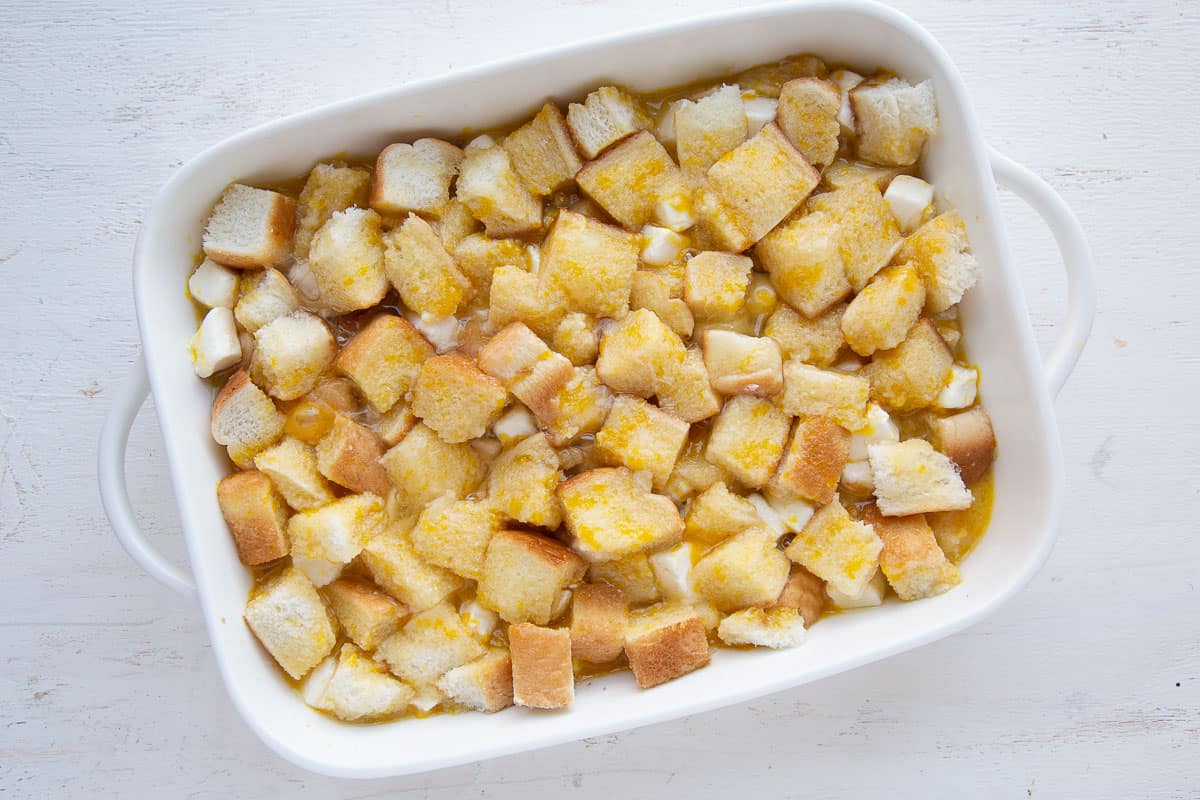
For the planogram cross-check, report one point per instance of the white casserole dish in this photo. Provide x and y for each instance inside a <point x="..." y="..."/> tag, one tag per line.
<point x="1016" y="388"/>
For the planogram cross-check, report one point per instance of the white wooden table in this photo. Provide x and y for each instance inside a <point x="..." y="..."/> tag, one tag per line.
<point x="1086" y="685"/>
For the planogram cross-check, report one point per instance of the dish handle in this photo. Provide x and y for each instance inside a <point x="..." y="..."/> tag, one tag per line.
<point x="114" y="494"/>
<point x="1076" y="256"/>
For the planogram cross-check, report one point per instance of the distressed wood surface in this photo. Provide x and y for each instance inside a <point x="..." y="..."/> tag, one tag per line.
<point x="1085" y="685"/>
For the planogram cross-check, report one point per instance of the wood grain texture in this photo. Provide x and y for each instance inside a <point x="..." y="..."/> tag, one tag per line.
<point x="1085" y="685"/>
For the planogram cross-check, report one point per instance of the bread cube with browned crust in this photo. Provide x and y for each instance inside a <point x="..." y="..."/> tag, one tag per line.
<point x="457" y="399"/>
<point x="941" y="252"/>
<point x="910" y="376"/>
<point x="665" y="645"/>
<point x="656" y="291"/>
<point x="804" y="592"/>
<point x="328" y="189"/>
<point x="543" y="675"/>
<point x="256" y="515"/>
<point x="250" y="228"/>
<point x="423" y="466"/>
<point x="911" y="559"/>
<point x="747" y="439"/>
<point x="533" y="372"/>
<point x="588" y="263"/>
<point x="837" y="549"/>
<point x="598" y="620"/>
<point x="522" y="481"/>
<point x="879" y="317"/>
<point x="747" y="569"/>
<point x="740" y="364"/>
<point x="693" y="473"/>
<point x="605" y="117"/>
<point x="290" y="620"/>
<point x="454" y="534"/>
<point x="814" y="341"/>
<point x="397" y="569"/>
<point x="292" y="467"/>
<point x="868" y="234"/>
<point x="813" y="463"/>
<point x="708" y="128"/>
<point x="892" y="120"/>
<point x="422" y="270"/>
<point x="641" y="436"/>
<point x="542" y="152"/>
<point x="638" y="353"/>
<point x="632" y="575"/>
<point x="686" y="389"/>
<point x="969" y="441"/>
<point x="490" y="186"/>
<point x="524" y="574"/>
<point x="806" y="264"/>
<point x="809" y="390"/>
<point x="716" y="514"/>
<point x="345" y="260"/>
<point x="610" y="515"/>
<point x="367" y="615"/>
<point x="432" y="643"/>
<point x="414" y="177"/>
<point x="808" y="116"/>
<point x="244" y="419"/>
<point x="714" y="284"/>
<point x="349" y="456"/>
<point x="383" y="359"/>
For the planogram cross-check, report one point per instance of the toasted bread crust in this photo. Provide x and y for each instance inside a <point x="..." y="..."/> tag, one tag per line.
<point x="806" y="593"/>
<point x="813" y="463"/>
<point x="367" y="615"/>
<point x="667" y="652"/>
<point x="349" y="456"/>
<point x="598" y="618"/>
<point x="543" y="676"/>
<point x="256" y="516"/>
<point x="969" y="440"/>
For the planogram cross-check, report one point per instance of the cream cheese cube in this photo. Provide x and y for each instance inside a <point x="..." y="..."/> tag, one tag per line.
<point x="673" y="572"/>
<point x="908" y="197"/>
<point x="479" y="619"/>
<point x="661" y="246"/>
<point x="759" y="111"/>
<point x="846" y="80"/>
<point x="515" y="424"/>
<point x="879" y="428"/>
<point x="214" y="285"/>
<point x="871" y="595"/>
<point x="216" y="345"/>
<point x="960" y="391"/>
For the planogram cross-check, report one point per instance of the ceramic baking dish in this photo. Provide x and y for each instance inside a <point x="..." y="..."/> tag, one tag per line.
<point x="1017" y="387"/>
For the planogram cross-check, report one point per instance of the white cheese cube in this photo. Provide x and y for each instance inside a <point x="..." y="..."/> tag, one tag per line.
<point x="845" y="81"/>
<point x="879" y="428"/>
<point x="960" y="391"/>
<point x="661" y="246"/>
<point x="908" y="197"/>
<point x="216" y="345"/>
<point x="444" y="333"/>
<point x="673" y="572"/>
<point x="675" y="212"/>
<point x="312" y="689"/>
<point x="768" y="514"/>
<point x="480" y="142"/>
<point x="857" y="477"/>
<point x="871" y="595"/>
<point x="665" y="129"/>
<point x="479" y="619"/>
<point x="426" y="699"/>
<point x="759" y="111"/>
<point x="794" y="513"/>
<point x="533" y="254"/>
<point x="214" y="285"/>
<point x="516" y="423"/>
<point x="318" y="570"/>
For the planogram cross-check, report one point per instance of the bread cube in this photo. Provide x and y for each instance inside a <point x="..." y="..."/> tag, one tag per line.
<point x="542" y="672"/>
<point x="842" y="173"/>
<point x="911" y="559"/>
<point x="429" y="645"/>
<point x="359" y="689"/>
<point x="266" y="295"/>
<point x="327" y="189"/>
<point x="346" y="261"/>
<point x="414" y="177"/>
<point x="349" y="456"/>
<point x="515" y="296"/>
<point x="524" y="574"/>
<point x="292" y="467"/>
<point x="776" y="627"/>
<point x="327" y="538"/>
<point x="686" y="390"/>
<point x="716" y="514"/>
<point x="880" y="316"/>
<point x="213" y="285"/>
<point x="579" y="408"/>
<point x="478" y="256"/>
<point x="913" y="478"/>
<point x="291" y="353"/>
<point x="837" y="549"/>
<point x="804" y="592"/>
<point x="910" y="376"/>
<point x="288" y="617"/>
<point x="598" y="620"/>
<point x="893" y="119"/>
<point x="605" y="117"/>
<point x="397" y="569"/>
<point x="808" y="116"/>
<point x="714" y="284"/>
<point x="739" y="364"/>
<point x="542" y="152"/>
<point x="383" y="360"/>
<point x="577" y="338"/>
<point x="805" y="262"/>
<point x="244" y="419"/>
<point x="870" y="596"/>
<point x="256" y="516"/>
<point x="814" y="341"/>
<point x="454" y="534"/>
<point x="666" y="645"/>
<point x="423" y="466"/>
<point x="718" y="227"/>
<point x="868" y="234"/>
<point x="813" y="464"/>
<point x="941" y="252"/>
<point x="640" y="436"/>
<point x="708" y="128"/>
<point x="655" y="290"/>
<point x="367" y="615"/>
<point x="250" y="228"/>
<point x="747" y="569"/>
<point x="522" y="481"/>
<point x="630" y="180"/>
<point x="533" y="372"/>
<point x="747" y="439"/>
<point x="969" y="441"/>
<point x="490" y="186"/>
<point x="485" y="684"/>
<point x="423" y="272"/>
<point x="638" y="353"/>
<point x="610" y="515"/>
<point x="809" y="390"/>
<point x="588" y="263"/>
<point x="632" y="575"/>
<point x="455" y="398"/>
<point x="762" y="181"/>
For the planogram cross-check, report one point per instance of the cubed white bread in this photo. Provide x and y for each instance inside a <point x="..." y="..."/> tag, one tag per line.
<point x="805" y="261"/>
<point x="395" y="424"/>
<point x="708" y="128"/>
<point x="641" y="436"/>
<point x="759" y="111"/>
<point x="266" y="295"/>
<point x="542" y="671"/>
<point x="524" y="575"/>
<point x="485" y="684"/>
<point x="686" y="391"/>
<point x="479" y="255"/>
<point x="454" y="534"/>
<point x="913" y="478"/>
<point x="868" y="235"/>
<point x="610" y="515"/>
<point x="880" y="316"/>
<point x="383" y="359"/>
<point x="870" y="596"/>
<point x="804" y="592"/>
<point x="291" y="353"/>
<point x="747" y="439"/>
<point x="661" y="246"/>
<point x="456" y="224"/>
<point x="911" y="559"/>
<point x="423" y="466"/>
<point x="533" y="372"/>
<point x="423" y="272"/>
<point x="842" y="174"/>
<point x="213" y="285"/>
<point x="367" y="615"/>
<point x="714" y="284"/>
<point x="911" y="375"/>
<point x="665" y="645"/>
<point x="809" y="390"/>
<point x="746" y="569"/>
<point x="244" y="419"/>
<point x="632" y="575"/>
<point x="348" y="454"/>
<point x="360" y="690"/>
<point x="808" y="116"/>
<point x="765" y="79"/>
<point x="515" y="296"/>
<point x="960" y="390"/>
<point x="717" y="226"/>
<point x="457" y="399"/>
<point x="638" y="353"/>
<point x="542" y="152"/>
<point x="599" y="616"/>
<point x="522" y="481"/>
<point x="941" y="251"/>
<point x="396" y="568"/>
<point x="716" y="514"/>
<point x="845" y="80"/>
<point x="491" y="188"/>
<point x="659" y="291"/>
<point x="338" y="531"/>
<point x="630" y="180"/>
<point x="346" y="261"/>
<point x="429" y="645"/>
<point x="580" y="408"/>
<point x="893" y="119"/>
<point x="762" y="181"/>
<point x="673" y="573"/>
<point x="605" y="117"/>
<point x="327" y="189"/>
<point x="292" y="467"/>
<point x="813" y="462"/>
<point x="878" y="427"/>
<point x="814" y="341"/>
<point x="841" y="551"/>
<point x="911" y="201"/>
<point x="215" y="346"/>
<point x="256" y="516"/>
<point x="577" y="337"/>
<point x="250" y="228"/>
<point x="739" y="364"/>
<point x="968" y="440"/>
<point x="414" y="177"/>
<point x="776" y="627"/>
<point x="589" y="264"/>
<point x="290" y="620"/>
<point x="515" y="424"/>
